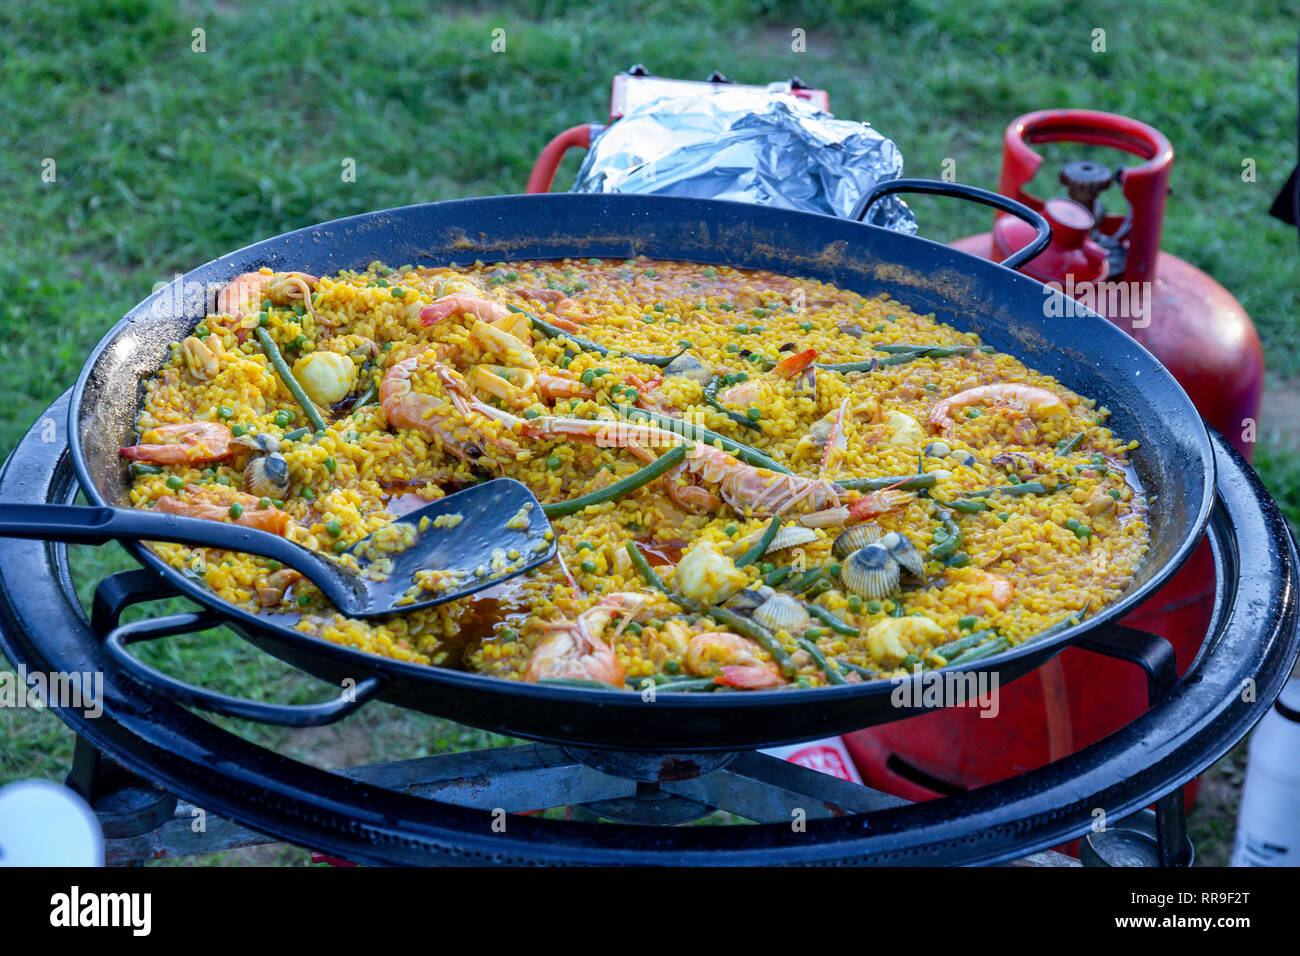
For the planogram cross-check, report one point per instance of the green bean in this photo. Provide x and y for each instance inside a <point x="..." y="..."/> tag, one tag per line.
<point x="696" y="433"/>
<point x="618" y="489"/>
<point x="994" y="646"/>
<point x="367" y="397"/>
<point x="574" y="682"/>
<point x="830" y="620"/>
<point x="967" y="506"/>
<point x="742" y="626"/>
<point x="711" y="398"/>
<point x="901" y="482"/>
<point x="688" y="686"/>
<point x="296" y="434"/>
<point x="760" y="547"/>
<point x="643" y="568"/>
<point x="815" y="652"/>
<point x="946" y="548"/>
<point x="1023" y="488"/>
<point x="282" y="369"/>
<point x="953" y="648"/>
<point x="554" y="332"/>
<point x="1068" y="446"/>
<point x="1068" y="621"/>
<point x="777" y="576"/>
<point x="140" y="468"/>
<point x="902" y="354"/>
<point x="858" y="669"/>
<point x="807" y="580"/>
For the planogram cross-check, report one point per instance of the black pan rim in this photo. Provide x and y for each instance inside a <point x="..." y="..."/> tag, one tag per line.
<point x="431" y="675"/>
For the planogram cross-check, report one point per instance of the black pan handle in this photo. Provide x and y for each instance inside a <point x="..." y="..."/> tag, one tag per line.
<point x="79" y="524"/>
<point x="284" y="715"/>
<point x="984" y="197"/>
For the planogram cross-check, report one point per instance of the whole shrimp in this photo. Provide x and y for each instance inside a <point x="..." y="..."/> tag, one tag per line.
<point x="731" y="660"/>
<point x="1008" y="394"/>
<point x="245" y="293"/>
<point x="185" y="443"/>
<point x="455" y="421"/>
<point x="574" y="648"/>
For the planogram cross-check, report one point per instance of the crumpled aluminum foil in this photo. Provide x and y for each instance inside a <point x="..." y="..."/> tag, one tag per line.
<point x="764" y="147"/>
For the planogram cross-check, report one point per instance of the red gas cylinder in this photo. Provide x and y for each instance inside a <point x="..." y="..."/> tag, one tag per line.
<point x="1111" y="262"/>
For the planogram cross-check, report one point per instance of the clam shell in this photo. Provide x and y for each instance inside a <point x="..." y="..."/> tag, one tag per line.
<point x="938" y="449"/>
<point x="688" y="366"/>
<point x="789" y="536"/>
<point x="261" y="443"/>
<point x="871" y="572"/>
<point x="746" y="601"/>
<point x="851" y="539"/>
<point x="781" y="613"/>
<point x="267" y="476"/>
<point x="901" y="548"/>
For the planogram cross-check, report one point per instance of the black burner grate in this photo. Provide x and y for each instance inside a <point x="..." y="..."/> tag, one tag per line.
<point x="450" y="809"/>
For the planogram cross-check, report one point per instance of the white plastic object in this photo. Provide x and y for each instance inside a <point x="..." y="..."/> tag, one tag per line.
<point x="1268" y="824"/>
<point x="44" y="824"/>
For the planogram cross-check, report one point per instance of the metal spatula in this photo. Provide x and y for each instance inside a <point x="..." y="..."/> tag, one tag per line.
<point x="474" y="553"/>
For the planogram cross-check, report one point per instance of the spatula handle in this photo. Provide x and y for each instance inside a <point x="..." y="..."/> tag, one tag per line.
<point x="76" y="524"/>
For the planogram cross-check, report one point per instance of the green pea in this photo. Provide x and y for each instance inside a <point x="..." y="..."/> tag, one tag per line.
<point x="304" y="600"/>
<point x="238" y="430"/>
<point x="334" y="528"/>
<point x="585" y="546"/>
<point x="330" y="464"/>
<point x="236" y="510"/>
<point x="974" y="412"/>
<point x="588" y="567"/>
<point x="553" y="463"/>
<point x="730" y="530"/>
<point x="1004" y="516"/>
<point x="283" y="418"/>
<point x="225" y="411"/>
<point x="855" y="603"/>
<point x="589" y="377"/>
<point x="634" y="628"/>
<point x="813" y="633"/>
<point x="834" y="569"/>
<point x="967" y="622"/>
<point x="754" y="413"/>
<point x="1114" y="493"/>
<point x="507" y="633"/>
<point x="766" y="567"/>
<point x="672" y="666"/>
<point x="532" y="413"/>
<point x="202" y="331"/>
<point x="733" y="347"/>
<point x="340" y="547"/>
<point x="175" y="483"/>
<point x="263" y="503"/>
<point x="308" y="494"/>
<point x="398" y="292"/>
<point x="806" y="326"/>
<point x="873" y="607"/>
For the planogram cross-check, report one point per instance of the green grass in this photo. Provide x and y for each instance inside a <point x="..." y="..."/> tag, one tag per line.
<point x="166" y="158"/>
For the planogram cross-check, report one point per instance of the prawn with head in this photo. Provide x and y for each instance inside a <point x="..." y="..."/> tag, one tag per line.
<point x="748" y="489"/>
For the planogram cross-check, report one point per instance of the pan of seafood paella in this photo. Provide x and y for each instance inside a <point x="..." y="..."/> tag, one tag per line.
<point x="790" y="461"/>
